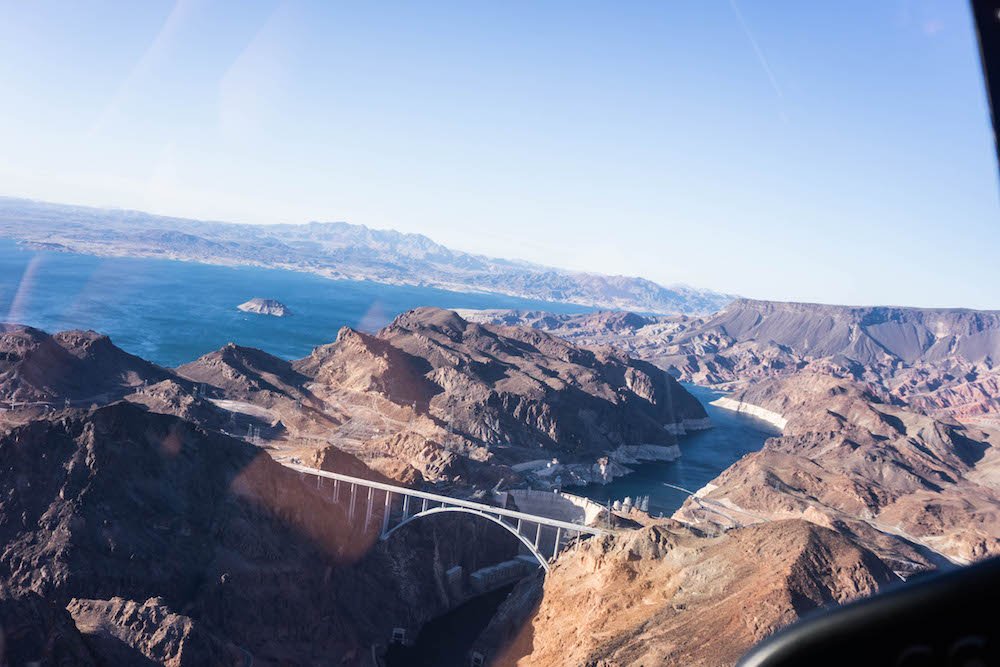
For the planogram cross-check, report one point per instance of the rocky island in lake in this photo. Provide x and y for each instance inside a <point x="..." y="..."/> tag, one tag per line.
<point x="265" y="307"/>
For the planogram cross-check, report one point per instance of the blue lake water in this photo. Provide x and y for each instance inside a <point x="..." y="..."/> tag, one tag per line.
<point x="704" y="454"/>
<point x="172" y="312"/>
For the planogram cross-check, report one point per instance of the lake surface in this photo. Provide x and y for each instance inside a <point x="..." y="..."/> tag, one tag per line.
<point x="172" y="312"/>
<point x="704" y="454"/>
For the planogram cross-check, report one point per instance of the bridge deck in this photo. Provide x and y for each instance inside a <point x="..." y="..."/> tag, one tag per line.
<point x="454" y="502"/>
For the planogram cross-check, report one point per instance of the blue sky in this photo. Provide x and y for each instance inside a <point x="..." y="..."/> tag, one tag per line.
<point x="835" y="152"/>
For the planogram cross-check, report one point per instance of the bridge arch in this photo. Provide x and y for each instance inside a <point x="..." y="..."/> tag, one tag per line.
<point x="489" y="517"/>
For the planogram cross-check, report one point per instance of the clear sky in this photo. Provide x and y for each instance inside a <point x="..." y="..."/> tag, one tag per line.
<point x="817" y="151"/>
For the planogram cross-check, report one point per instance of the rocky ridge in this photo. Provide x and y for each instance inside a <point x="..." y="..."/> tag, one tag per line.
<point x="917" y="490"/>
<point x="237" y="561"/>
<point x="668" y="594"/>
<point x="75" y="366"/>
<point x="430" y="398"/>
<point x="435" y="397"/>
<point x="170" y="544"/>
<point x="943" y="362"/>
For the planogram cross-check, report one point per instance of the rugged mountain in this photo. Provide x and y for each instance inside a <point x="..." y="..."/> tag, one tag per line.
<point x="140" y="532"/>
<point x="942" y="361"/>
<point x="78" y="366"/>
<point x="867" y="335"/>
<point x="437" y="398"/>
<point x="244" y="372"/>
<point x="42" y="373"/>
<point x="336" y="250"/>
<point x="668" y="595"/>
<point x="914" y="489"/>
<point x="169" y="544"/>
<point x="120" y="502"/>
<point x="525" y="389"/>
<point x="429" y="398"/>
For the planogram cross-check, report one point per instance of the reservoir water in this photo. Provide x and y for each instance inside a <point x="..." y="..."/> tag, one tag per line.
<point x="704" y="454"/>
<point x="172" y="312"/>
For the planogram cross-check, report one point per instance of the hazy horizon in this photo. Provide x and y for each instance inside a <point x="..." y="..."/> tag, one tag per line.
<point x="825" y="154"/>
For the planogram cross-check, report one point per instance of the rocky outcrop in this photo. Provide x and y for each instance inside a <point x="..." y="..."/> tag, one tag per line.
<point x="175" y="397"/>
<point x="509" y="620"/>
<point x="439" y="385"/>
<point x="241" y="373"/>
<point x="667" y="595"/>
<point x="125" y="632"/>
<point x="259" y="306"/>
<point x="910" y="487"/>
<point x="76" y="366"/>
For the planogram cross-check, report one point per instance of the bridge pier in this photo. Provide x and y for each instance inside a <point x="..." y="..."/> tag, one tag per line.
<point x="368" y="509"/>
<point x="385" y="512"/>
<point x="354" y="495"/>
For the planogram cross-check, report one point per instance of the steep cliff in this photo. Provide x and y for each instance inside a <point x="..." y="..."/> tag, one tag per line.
<point x="667" y="595"/>
<point x="868" y="468"/>
<point x="169" y="544"/>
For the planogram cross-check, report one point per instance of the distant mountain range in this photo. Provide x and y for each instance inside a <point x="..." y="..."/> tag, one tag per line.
<point x="335" y="250"/>
<point x="945" y="362"/>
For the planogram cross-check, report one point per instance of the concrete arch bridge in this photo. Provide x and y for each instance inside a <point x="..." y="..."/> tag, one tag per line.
<point x="543" y="537"/>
